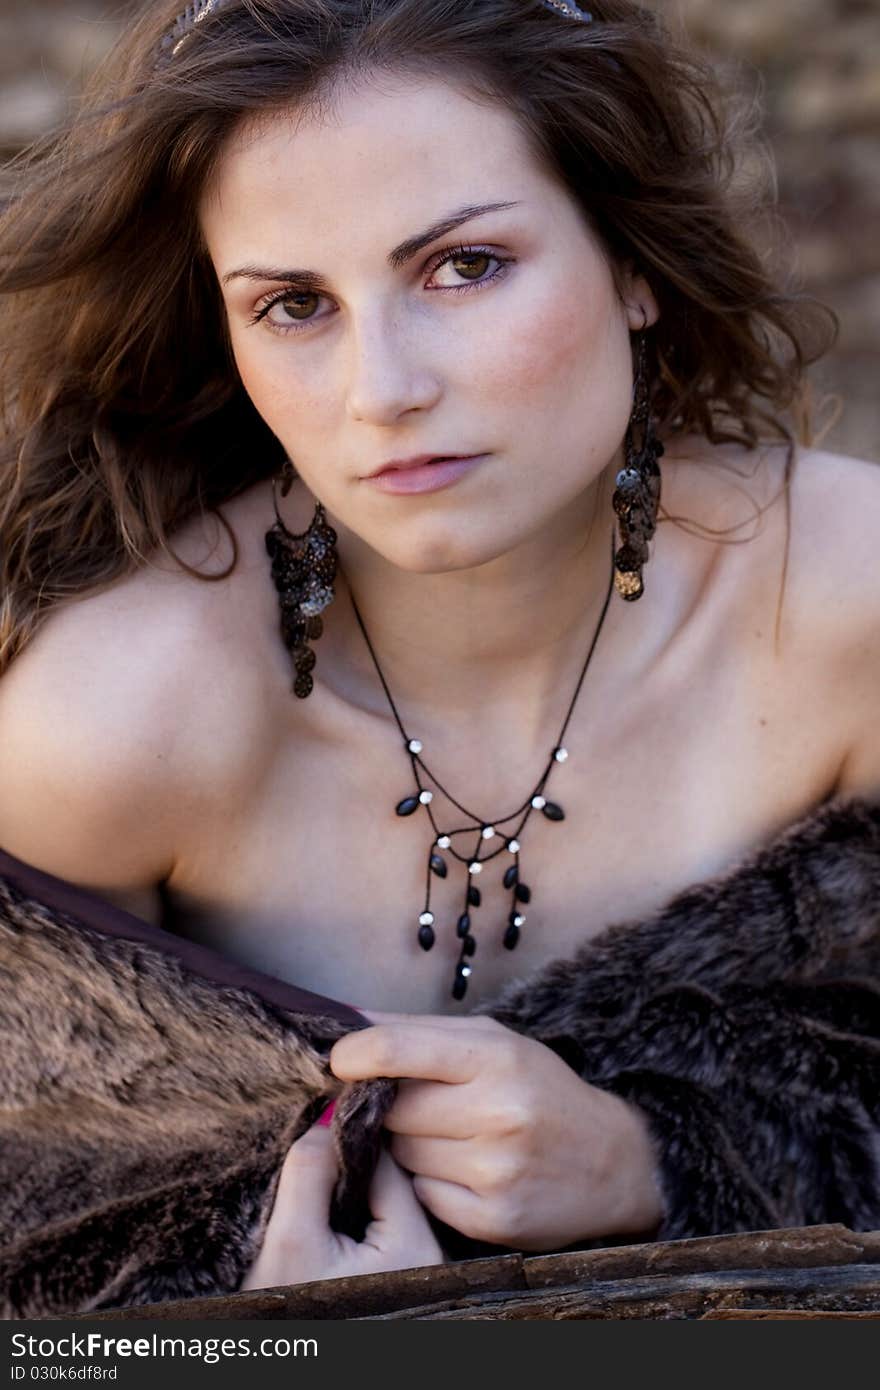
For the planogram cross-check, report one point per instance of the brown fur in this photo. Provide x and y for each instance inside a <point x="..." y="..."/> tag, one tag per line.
<point x="145" y="1109"/>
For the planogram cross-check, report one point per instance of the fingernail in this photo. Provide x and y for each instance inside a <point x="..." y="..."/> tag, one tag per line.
<point x="326" y="1115"/>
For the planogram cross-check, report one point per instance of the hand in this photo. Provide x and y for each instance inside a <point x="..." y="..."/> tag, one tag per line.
<point x="506" y="1143"/>
<point x="299" y="1244"/>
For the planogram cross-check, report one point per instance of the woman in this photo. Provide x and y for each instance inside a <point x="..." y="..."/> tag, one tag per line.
<point x="353" y="239"/>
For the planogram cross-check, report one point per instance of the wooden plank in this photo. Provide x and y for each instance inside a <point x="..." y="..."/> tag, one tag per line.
<point x="443" y="1288"/>
<point x="797" y="1247"/>
<point x="779" y="1314"/>
<point x="348" y="1297"/>
<point x="846" y="1288"/>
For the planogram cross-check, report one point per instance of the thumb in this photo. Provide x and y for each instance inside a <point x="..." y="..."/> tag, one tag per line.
<point x="308" y="1177"/>
<point x="392" y="1197"/>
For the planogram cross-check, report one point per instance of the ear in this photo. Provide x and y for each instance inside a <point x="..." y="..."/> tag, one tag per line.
<point x="638" y="298"/>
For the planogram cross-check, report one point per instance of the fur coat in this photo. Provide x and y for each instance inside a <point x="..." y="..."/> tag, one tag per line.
<point x="150" y="1087"/>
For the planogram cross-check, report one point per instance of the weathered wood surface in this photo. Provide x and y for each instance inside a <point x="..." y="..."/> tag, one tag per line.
<point x="840" y="1287"/>
<point x="814" y="1271"/>
<point x="780" y="1315"/>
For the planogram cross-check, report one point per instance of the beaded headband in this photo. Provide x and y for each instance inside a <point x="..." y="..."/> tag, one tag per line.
<point x="199" y="10"/>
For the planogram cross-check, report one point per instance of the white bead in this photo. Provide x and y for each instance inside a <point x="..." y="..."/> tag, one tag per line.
<point x="561" y="754"/>
<point x="475" y="868"/>
<point x="414" y="746"/>
<point x="425" y="797"/>
<point x="444" y="842"/>
<point x="518" y="920"/>
<point x="426" y="919"/>
<point x="465" y="970"/>
<point x="513" y="846"/>
<point x="488" y="832"/>
<point x="538" y="802"/>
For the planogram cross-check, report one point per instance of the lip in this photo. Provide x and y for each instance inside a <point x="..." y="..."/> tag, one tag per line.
<point x="398" y="465"/>
<point x="425" y="476"/>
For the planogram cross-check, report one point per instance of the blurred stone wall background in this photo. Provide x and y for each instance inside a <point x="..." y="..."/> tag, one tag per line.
<point x="817" y="63"/>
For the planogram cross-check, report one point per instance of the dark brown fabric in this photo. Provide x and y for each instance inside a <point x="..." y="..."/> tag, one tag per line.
<point x="72" y="901"/>
<point x="149" y="1088"/>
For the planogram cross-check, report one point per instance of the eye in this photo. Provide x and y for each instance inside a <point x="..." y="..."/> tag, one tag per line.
<point x="462" y="255"/>
<point x="290" y="310"/>
<point x="288" y="303"/>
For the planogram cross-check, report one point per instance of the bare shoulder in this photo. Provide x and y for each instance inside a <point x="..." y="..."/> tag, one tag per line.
<point x="835" y="566"/>
<point x="833" y="506"/>
<point x="834" y="574"/>
<point x="817" y="532"/>
<point x="109" y="725"/>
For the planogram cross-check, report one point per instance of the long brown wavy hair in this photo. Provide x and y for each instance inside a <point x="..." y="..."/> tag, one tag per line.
<point x="121" y="410"/>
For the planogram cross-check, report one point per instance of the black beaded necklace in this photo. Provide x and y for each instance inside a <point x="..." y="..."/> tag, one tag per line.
<point x="436" y="865"/>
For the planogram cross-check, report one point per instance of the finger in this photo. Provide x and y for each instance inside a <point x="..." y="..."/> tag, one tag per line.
<point x="438" y="1020"/>
<point x="428" y="1109"/>
<point x="393" y="1202"/>
<point x="415" y="1049"/>
<point x="377" y="1016"/>
<point x="444" y="1159"/>
<point x="454" y="1204"/>
<point x="305" y="1187"/>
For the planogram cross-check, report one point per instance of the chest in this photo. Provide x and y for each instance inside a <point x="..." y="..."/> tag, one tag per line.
<point x="308" y="872"/>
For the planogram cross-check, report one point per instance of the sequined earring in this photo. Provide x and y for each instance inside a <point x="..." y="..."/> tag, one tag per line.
<point x="637" y="489"/>
<point x="303" y="569"/>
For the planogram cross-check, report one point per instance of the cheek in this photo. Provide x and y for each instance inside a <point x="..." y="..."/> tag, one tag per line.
<point x="255" y="370"/>
<point x="551" y="355"/>
<point x="268" y="377"/>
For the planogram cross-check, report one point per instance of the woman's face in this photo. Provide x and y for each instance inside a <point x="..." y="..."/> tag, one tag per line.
<point x="516" y="347"/>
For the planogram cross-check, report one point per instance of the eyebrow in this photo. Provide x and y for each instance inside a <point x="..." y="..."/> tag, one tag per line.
<point x="396" y="258"/>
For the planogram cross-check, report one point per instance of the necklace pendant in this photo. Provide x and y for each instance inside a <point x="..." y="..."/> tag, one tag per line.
<point x="460" y="983"/>
<point x="438" y="865"/>
<point x="515" y="921"/>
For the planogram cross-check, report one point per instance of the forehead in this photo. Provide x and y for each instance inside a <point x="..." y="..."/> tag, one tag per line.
<point x="389" y="146"/>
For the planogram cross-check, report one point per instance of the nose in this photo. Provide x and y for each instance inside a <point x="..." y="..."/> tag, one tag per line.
<point x="388" y="372"/>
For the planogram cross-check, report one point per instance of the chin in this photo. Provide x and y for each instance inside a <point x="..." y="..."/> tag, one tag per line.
<point x="441" y="555"/>
<point x="436" y="563"/>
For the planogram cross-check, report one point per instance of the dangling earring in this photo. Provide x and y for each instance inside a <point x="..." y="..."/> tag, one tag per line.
<point x="303" y="569"/>
<point x="637" y="489"/>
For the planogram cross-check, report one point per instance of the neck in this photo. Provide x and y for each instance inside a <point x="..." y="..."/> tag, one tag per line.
<point x="499" y="646"/>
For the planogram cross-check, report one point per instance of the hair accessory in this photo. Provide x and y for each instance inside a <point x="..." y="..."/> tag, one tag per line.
<point x="637" y="490"/>
<point x="184" y="25"/>
<point x="570" y="10"/>
<point x="303" y="569"/>
<point x="199" y="10"/>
